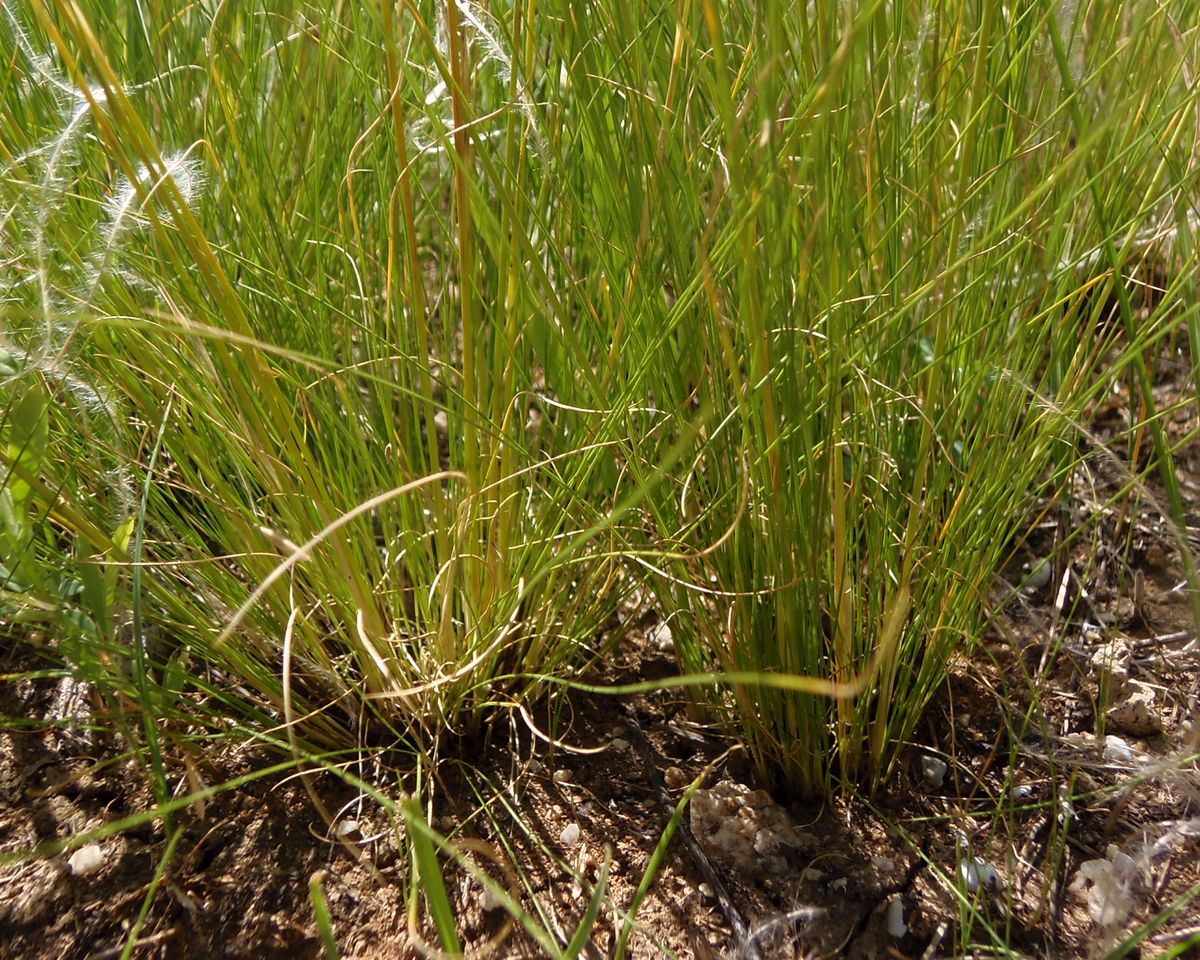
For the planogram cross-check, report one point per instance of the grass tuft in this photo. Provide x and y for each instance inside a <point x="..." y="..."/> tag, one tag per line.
<point x="360" y="365"/>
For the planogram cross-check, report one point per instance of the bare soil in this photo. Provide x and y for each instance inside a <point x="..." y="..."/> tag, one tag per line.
<point x="1036" y="797"/>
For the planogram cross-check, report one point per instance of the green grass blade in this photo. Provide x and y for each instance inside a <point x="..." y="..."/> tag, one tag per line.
<point x="428" y="876"/>
<point x="316" y="894"/>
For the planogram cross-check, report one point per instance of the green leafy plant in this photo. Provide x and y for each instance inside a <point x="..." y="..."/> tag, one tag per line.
<point x="54" y="572"/>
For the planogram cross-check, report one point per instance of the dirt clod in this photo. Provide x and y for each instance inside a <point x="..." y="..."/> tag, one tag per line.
<point x="1137" y="713"/>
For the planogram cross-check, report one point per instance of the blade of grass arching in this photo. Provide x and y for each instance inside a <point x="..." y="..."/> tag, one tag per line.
<point x="587" y="922"/>
<point x="320" y="905"/>
<point x="131" y="942"/>
<point x="654" y="864"/>
<point x="141" y="678"/>
<point x="303" y="551"/>
<point x="1115" y="262"/>
<point x="427" y="873"/>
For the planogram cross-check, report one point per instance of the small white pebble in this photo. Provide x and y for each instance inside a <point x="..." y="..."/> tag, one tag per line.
<point x="1039" y="575"/>
<point x="933" y="770"/>
<point x="839" y="885"/>
<point x="1118" y="750"/>
<point x="562" y="776"/>
<point x="883" y="864"/>
<point x="705" y="891"/>
<point x="976" y="873"/>
<point x="675" y="778"/>
<point x="345" y="828"/>
<point x="570" y="836"/>
<point x="896" y="927"/>
<point x="488" y="900"/>
<point x="660" y="637"/>
<point x="86" y="860"/>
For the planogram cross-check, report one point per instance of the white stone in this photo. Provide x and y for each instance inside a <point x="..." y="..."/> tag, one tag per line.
<point x="1118" y="750"/>
<point x="675" y="778"/>
<point x="933" y="770"/>
<point x="488" y="900"/>
<point x="1107" y="885"/>
<point x="660" y="637"/>
<point x="976" y="873"/>
<point x="1039" y="575"/>
<point x="570" y="836"/>
<point x="1137" y="714"/>
<point x="86" y="860"/>
<point x="896" y="927"/>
